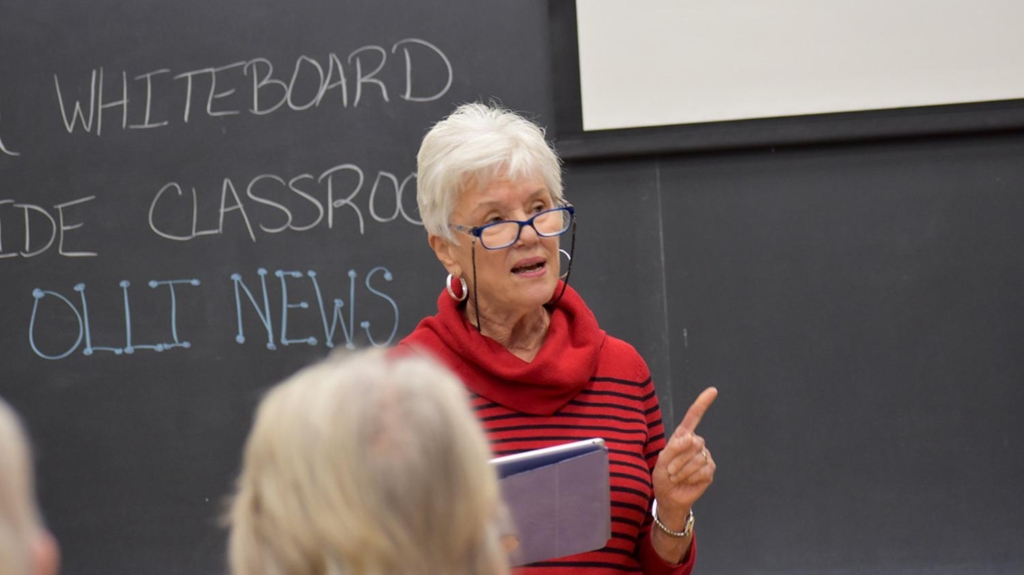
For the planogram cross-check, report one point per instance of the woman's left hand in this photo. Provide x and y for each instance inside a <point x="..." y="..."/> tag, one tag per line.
<point x="685" y="467"/>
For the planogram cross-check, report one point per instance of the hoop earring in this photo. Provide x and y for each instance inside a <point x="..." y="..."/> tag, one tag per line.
<point x="463" y="292"/>
<point x="572" y="250"/>
<point x="568" y="258"/>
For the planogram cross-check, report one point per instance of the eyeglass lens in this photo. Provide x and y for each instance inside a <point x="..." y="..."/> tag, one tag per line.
<point x="548" y="223"/>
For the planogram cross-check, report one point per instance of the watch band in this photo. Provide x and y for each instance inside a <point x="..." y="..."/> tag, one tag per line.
<point x="687" y="528"/>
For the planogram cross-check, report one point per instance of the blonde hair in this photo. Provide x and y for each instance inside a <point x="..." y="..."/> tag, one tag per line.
<point x="474" y="145"/>
<point x="20" y="521"/>
<point x="366" y="466"/>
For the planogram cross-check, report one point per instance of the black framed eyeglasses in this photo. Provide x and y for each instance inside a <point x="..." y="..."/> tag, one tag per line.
<point x="500" y="235"/>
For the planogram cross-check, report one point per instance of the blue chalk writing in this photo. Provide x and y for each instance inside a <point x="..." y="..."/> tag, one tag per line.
<point x="285" y="306"/>
<point x="38" y="295"/>
<point x="366" y="324"/>
<point x="263" y="315"/>
<point x="83" y="322"/>
<point x="174" y="310"/>
<point x="335" y="313"/>
<point x="89" y="349"/>
<point x="128" y="347"/>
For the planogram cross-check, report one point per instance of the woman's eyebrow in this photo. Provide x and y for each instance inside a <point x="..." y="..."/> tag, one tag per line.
<point x="487" y="206"/>
<point x="494" y="204"/>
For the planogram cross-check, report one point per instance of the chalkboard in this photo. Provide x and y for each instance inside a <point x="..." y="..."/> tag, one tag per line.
<point x="852" y="283"/>
<point x="196" y="199"/>
<point x="858" y="305"/>
<point x="860" y="309"/>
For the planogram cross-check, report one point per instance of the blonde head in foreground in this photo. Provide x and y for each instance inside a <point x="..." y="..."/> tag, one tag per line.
<point x="26" y="547"/>
<point x="366" y="465"/>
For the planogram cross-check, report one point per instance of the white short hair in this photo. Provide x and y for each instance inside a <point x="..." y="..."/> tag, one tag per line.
<point x="366" y="465"/>
<point x="19" y="514"/>
<point x="471" y="147"/>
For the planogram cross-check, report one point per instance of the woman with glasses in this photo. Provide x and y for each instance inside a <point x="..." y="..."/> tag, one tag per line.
<point x="540" y="369"/>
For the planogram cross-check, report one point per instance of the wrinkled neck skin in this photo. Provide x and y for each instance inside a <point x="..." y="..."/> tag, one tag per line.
<point x="521" y="332"/>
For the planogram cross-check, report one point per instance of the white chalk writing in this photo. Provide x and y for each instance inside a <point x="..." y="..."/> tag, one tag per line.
<point x="4" y="149"/>
<point x="271" y="202"/>
<point x="226" y="90"/>
<point x="53" y="229"/>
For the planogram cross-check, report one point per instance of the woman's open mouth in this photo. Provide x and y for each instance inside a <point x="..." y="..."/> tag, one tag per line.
<point x="530" y="267"/>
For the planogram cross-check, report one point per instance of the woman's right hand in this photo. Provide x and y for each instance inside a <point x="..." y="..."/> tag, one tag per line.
<point x="685" y="467"/>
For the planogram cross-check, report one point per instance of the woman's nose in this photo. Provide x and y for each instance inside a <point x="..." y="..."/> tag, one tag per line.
<point x="528" y="234"/>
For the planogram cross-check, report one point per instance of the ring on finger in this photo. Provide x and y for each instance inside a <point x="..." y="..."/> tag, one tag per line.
<point x="704" y="452"/>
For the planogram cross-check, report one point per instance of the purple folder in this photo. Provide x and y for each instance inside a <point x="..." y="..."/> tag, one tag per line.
<point x="558" y="500"/>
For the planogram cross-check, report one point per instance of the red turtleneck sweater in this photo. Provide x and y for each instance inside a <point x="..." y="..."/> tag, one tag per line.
<point x="582" y="384"/>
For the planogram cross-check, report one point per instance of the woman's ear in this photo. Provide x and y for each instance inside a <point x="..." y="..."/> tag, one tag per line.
<point x="445" y="252"/>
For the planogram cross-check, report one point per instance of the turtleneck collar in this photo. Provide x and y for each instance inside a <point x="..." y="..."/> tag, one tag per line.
<point x="562" y="367"/>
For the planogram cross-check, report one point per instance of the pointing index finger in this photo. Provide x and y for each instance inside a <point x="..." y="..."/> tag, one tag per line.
<point x="697" y="410"/>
